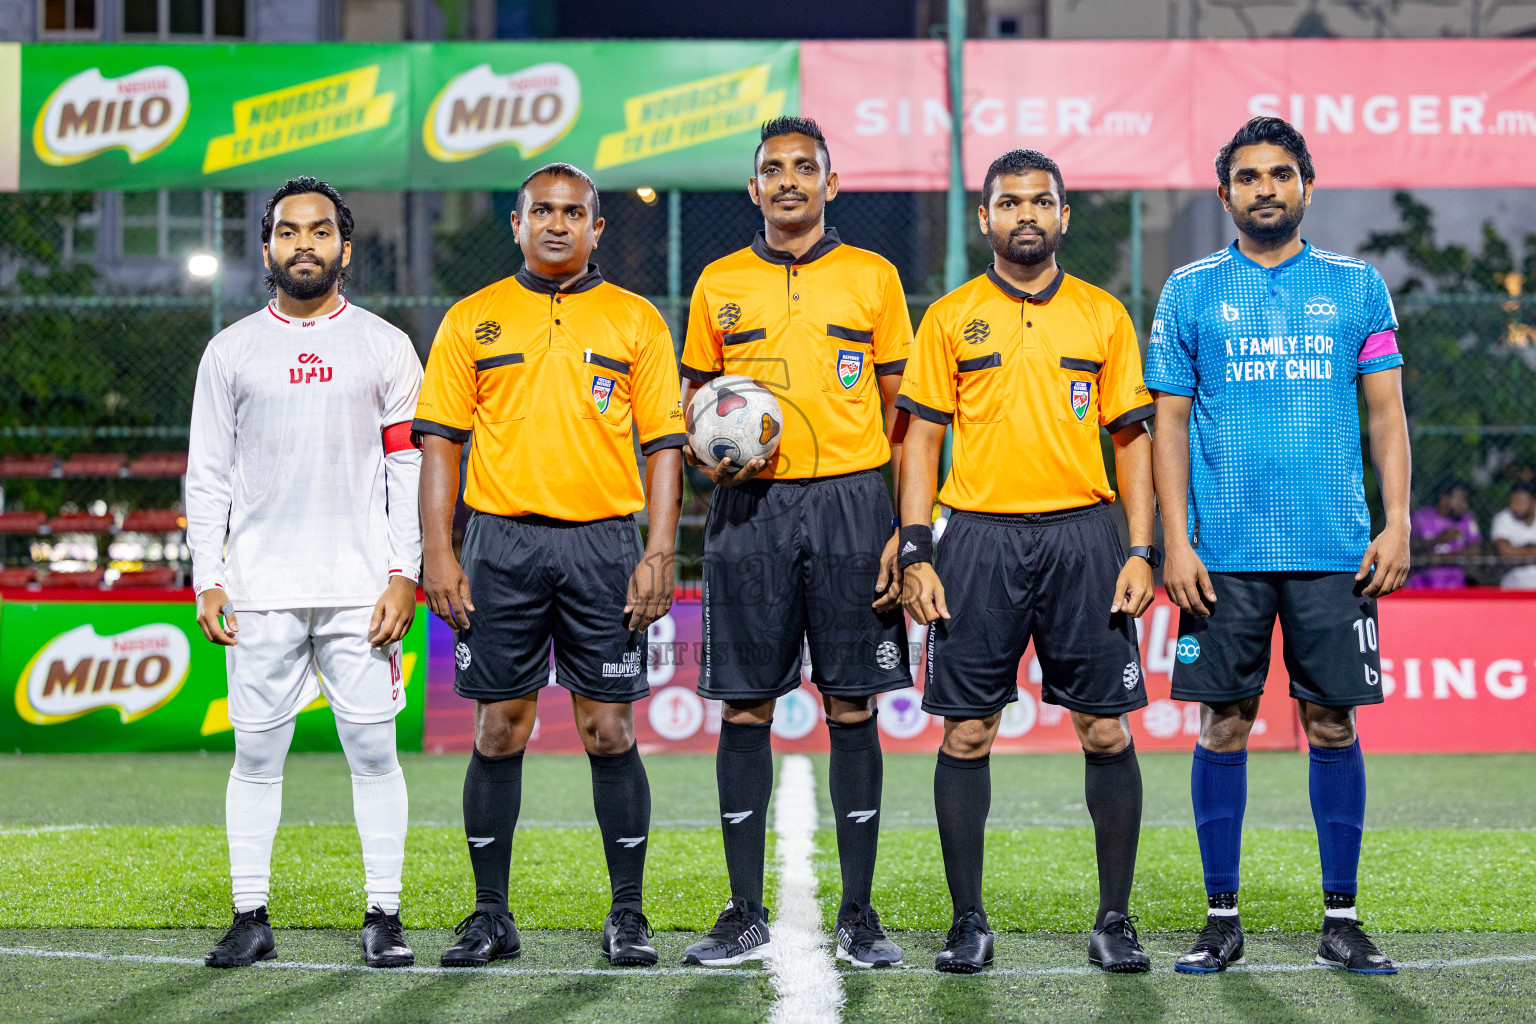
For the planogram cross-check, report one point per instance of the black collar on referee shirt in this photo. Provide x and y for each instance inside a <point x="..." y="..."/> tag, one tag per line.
<point x="1043" y="295"/>
<point x="825" y="244"/>
<point x="549" y="286"/>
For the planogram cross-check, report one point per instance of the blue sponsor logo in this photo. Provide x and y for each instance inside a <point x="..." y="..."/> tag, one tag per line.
<point x="1188" y="649"/>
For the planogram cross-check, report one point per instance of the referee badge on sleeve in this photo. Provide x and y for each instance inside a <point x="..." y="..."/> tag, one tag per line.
<point x="602" y="390"/>
<point x="1079" y="395"/>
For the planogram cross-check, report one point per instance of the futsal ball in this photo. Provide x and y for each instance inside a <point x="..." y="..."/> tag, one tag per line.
<point x="733" y="418"/>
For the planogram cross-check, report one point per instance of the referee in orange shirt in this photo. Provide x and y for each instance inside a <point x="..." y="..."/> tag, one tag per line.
<point x="1027" y="363"/>
<point x="801" y="547"/>
<point x="550" y="371"/>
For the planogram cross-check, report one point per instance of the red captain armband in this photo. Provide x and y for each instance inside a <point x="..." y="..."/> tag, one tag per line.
<point x="397" y="437"/>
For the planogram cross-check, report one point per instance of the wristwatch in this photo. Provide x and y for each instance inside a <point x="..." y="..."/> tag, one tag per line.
<point x="1153" y="556"/>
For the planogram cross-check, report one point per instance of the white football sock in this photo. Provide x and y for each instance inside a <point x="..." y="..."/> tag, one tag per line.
<point x="381" y="806"/>
<point x="252" y="810"/>
<point x="1348" y="913"/>
<point x="253" y="807"/>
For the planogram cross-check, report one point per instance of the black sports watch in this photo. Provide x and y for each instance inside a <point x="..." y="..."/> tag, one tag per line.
<point x="1153" y="556"/>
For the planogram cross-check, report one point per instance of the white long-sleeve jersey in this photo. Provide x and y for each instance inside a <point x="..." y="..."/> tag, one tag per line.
<point x="292" y="499"/>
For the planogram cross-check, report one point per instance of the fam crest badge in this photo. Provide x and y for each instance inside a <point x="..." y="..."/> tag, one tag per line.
<point x="850" y="366"/>
<point x="602" y="391"/>
<point x="1080" y="393"/>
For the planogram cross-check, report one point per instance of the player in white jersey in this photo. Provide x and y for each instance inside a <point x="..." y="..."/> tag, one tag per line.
<point x="306" y="548"/>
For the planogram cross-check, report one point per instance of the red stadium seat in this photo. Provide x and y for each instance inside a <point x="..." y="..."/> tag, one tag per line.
<point x="95" y="464"/>
<point x="154" y="520"/>
<point x="90" y="578"/>
<point x="157" y="577"/>
<point x="17" y="576"/>
<point x="159" y="464"/>
<point x="33" y="467"/>
<point x="80" y="524"/>
<point x="21" y="522"/>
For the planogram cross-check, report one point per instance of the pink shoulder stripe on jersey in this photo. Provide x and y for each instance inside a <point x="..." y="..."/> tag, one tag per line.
<point x="1382" y="343"/>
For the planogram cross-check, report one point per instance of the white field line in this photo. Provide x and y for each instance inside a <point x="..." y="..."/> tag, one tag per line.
<point x="614" y="972"/>
<point x="808" y="986"/>
<point x="43" y="830"/>
<point x="296" y="965"/>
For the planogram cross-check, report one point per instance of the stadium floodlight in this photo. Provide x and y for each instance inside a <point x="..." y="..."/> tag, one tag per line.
<point x="202" y="265"/>
<point x="647" y="195"/>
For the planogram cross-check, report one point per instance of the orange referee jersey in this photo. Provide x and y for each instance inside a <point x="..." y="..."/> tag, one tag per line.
<point x="549" y="382"/>
<point x="1027" y="381"/>
<point x="817" y="329"/>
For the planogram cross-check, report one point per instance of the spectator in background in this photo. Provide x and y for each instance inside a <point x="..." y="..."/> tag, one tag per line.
<point x="1445" y="528"/>
<point x="1514" y="537"/>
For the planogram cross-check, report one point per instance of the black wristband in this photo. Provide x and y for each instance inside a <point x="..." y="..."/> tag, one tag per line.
<point x="914" y="545"/>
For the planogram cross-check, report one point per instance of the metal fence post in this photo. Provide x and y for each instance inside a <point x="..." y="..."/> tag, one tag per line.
<point x="675" y="260"/>
<point x="954" y="249"/>
<point x="1136" y="297"/>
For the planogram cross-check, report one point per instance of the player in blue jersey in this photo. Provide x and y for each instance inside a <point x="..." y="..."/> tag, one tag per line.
<point x="1254" y="361"/>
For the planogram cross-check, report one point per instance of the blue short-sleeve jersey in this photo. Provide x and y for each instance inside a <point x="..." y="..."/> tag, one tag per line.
<point x="1270" y="356"/>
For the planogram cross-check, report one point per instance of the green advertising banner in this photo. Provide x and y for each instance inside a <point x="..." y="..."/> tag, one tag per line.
<point x="413" y="115"/>
<point x="128" y="676"/>
<point x="664" y="115"/>
<point x="141" y="116"/>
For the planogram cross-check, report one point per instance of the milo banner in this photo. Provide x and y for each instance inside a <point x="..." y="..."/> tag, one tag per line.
<point x="433" y="116"/>
<point x="115" y="676"/>
<point x="669" y="114"/>
<point x="232" y="117"/>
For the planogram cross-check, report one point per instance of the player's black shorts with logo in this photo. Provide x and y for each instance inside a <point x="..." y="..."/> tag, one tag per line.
<point x="1329" y="628"/>
<point x="1049" y="576"/>
<point x="786" y="560"/>
<point x="535" y="579"/>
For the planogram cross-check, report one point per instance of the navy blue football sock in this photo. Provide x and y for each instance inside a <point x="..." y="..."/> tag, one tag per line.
<point x="1337" y="785"/>
<point x="1218" y="784"/>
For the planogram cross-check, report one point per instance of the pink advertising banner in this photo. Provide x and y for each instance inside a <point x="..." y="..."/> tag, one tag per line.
<point x="1457" y="675"/>
<point x="1425" y="113"/>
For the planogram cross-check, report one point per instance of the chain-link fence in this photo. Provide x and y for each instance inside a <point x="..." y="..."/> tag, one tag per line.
<point x="99" y="349"/>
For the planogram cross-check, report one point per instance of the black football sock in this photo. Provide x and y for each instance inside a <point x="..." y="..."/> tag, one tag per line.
<point x="855" y="771"/>
<point x="622" y="795"/>
<point x="493" y="795"/>
<point x="744" y="773"/>
<point x="1113" y="786"/>
<point x="962" y="796"/>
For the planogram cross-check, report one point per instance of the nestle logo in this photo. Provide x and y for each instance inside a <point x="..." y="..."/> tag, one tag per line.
<point x="487" y="331"/>
<point x="976" y="332"/>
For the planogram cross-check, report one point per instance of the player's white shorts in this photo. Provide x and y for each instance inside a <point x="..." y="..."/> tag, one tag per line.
<point x="285" y="659"/>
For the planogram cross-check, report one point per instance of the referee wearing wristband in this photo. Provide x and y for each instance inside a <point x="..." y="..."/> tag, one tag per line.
<point x="1028" y="363"/>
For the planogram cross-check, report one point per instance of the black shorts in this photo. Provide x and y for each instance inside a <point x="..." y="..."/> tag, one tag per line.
<point x="1329" y="628"/>
<point x="1046" y="576"/>
<point x="788" y="562"/>
<point x="534" y="580"/>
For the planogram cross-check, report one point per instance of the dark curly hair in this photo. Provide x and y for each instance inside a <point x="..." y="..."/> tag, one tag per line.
<point x="297" y="187"/>
<point x="793" y="126"/>
<point x="559" y="170"/>
<point x="1017" y="161"/>
<point x="1258" y="131"/>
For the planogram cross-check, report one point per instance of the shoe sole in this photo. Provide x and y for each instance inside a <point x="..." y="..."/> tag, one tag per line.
<point x="633" y="960"/>
<point x="270" y="954"/>
<point x="1129" y="967"/>
<point x="1352" y="970"/>
<point x="475" y="962"/>
<point x="391" y="961"/>
<point x="849" y="958"/>
<point x="960" y="967"/>
<point x="1192" y="969"/>
<point x="755" y="953"/>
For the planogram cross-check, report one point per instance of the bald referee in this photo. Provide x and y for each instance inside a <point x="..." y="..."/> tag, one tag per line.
<point x="800" y="548"/>
<point x="1028" y="363"/>
<point x="549" y="372"/>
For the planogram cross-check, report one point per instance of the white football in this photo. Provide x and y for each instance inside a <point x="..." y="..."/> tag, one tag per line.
<point x="733" y="418"/>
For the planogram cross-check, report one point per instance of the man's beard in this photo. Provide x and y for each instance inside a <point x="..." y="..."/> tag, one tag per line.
<point x="1028" y="254"/>
<point x="808" y="213"/>
<point x="1272" y="231"/>
<point x="309" y="286"/>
